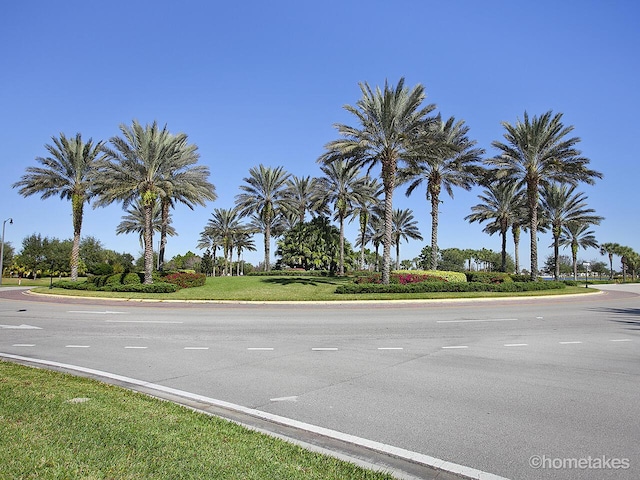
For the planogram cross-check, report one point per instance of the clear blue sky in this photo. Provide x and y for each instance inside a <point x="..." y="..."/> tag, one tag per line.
<point x="263" y="82"/>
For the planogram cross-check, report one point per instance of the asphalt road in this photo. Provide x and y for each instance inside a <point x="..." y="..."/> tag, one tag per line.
<point x="526" y="389"/>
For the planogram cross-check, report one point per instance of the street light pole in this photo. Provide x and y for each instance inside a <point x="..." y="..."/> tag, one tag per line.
<point x="10" y="220"/>
<point x="586" y="265"/>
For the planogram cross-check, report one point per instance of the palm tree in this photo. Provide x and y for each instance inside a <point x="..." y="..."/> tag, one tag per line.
<point x="537" y="152"/>
<point x="68" y="172"/>
<point x="576" y="234"/>
<point x="561" y="206"/>
<point x="243" y="240"/>
<point x="405" y="227"/>
<point x="224" y="225"/>
<point x="303" y="195"/>
<point x="136" y="168"/>
<point x="210" y="240"/>
<point x="392" y="127"/>
<point x="345" y="188"/>
<point x="264" y="194"/>
<point x="363" y="209"/>
<point x="500" y="206"/>
<point x="183" y="182"/>
<point x="456" y="166"/>
<point x="134" y="221"/>
<point x="610" y="249"/>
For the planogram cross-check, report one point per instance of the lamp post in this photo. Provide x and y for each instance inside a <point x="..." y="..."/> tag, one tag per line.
<point x="586" y="265"/>
<point x="10" y="220"/>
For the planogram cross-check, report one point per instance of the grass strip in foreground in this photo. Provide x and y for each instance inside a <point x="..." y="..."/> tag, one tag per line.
<point x="55" y="426"/>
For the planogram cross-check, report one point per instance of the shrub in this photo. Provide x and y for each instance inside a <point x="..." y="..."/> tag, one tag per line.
<point x="430" y="287"/>
<point x="488" y="277"/>
<point x="101" y="269"/>
<point x="444" y="275"/>
<point x="520" y="278"/>
<point x="186" y="280"/>
<point x="159" y="287"/>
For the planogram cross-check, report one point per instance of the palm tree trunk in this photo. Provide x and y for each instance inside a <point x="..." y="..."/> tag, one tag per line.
<point x="388" y="228"/>
<point x="363" y="231"/>
<point x="610" y="265"/>
<point x="148" y="243"/>
<point x="574" y="254"/>
<point x="163" y="232"/>
<point x="503" y="259"/>
<point x="77" y="206"/>
<point x="434" y="231"/>
<point x="341" y="266"/>
<point x="398" y="254"/>
<point x="516" y="244"/>
<point x="556" y="252"/>
<point x="267" y="246"/>
<point x="532" y="195"/>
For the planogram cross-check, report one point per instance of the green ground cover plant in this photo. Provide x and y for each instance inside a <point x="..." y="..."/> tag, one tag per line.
<point x="55" y="426"/>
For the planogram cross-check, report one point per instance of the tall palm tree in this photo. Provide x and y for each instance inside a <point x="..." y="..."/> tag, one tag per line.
<point x="136" y="168"/>
<point x="610" y="249"/>
<point x="457" y="166"/>
<point x="366" y="206"/>
<point x="392" y="126"/>
<point x="224" y="225"/>
<point x="535" y="153"/>
<point x="344" y="187"/>
<point x="263" y="195"/>
<point x="561" y="206"/>
<point x="134" y="221"/>
<point x="243" y="240"/>
<point x="303" y="195"/>
<point x="405" y="227"/>
<point x="211" y="241"/>
<point x="68" y="172"/>
<point x="183" y="182"/>
<point x="576" y="234"/>
<point x="500" y="206"/>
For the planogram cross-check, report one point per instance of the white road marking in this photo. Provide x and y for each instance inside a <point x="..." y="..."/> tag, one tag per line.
<point x="136" y="348"/>
<point x="196" y="348"/>
<point x="621" y="340"/>
<point x="390" y="348"/>
<point x="456" y="346"/>
<point x="285" y="399"/>
<point x="77" y="346"/>
<point x="139" y="321"/>
<point x="260" y="349"/>
<point x="569" y="343"/>
<point x="24" y="345"/>
<point x="106" y="312"/>
<point x="324" y="349"/>
<point x="516" y="344"/>
<point x="477" y="321"/>
<point x="20" y="327"/>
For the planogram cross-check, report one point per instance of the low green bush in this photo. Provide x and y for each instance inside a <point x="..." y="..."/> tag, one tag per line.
<point x="158" y="287"/>
<point x="432" y="287"/>
<point x="488" y="277"/>
<point x="443" y="274"/>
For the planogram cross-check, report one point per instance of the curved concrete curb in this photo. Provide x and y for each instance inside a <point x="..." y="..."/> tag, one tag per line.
<point x="426" y="466"/>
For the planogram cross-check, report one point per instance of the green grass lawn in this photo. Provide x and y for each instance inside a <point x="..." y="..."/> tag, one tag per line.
<point x="56" y="426"/>
<point x="260" y="288"/>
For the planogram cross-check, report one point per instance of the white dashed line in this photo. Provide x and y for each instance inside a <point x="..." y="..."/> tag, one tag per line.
<point x="390" y="348"/>
<point x="568" y="343"/>
<point x="136" y="348"/>
<point x="196" y="348"/>
<point x="324" y="349"/>
<point x="77" y="346"/>
<point x="24" y="345"/>
<point x="260" y="349"/>
<point x="455" y="346"/>
<point x="477" y="321"/>
<point x="621" y="340"/>
<point x="516" y="344"/>
<point x="139" y="321"/>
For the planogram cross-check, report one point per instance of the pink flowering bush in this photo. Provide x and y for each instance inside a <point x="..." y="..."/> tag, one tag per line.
<point x="186" y="280"/>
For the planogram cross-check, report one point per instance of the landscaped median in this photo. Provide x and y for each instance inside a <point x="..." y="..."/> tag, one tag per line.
<point x="54" y="425"/>
<point x="320" y="286"/>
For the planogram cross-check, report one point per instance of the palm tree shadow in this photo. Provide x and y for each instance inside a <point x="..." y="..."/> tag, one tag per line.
<point x="625" y="316"/>
<point x="298" y="281"/>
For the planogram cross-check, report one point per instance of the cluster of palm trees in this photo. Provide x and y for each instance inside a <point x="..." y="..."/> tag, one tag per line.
<point x="529" y="185"/>
<point x="147" y="168"/>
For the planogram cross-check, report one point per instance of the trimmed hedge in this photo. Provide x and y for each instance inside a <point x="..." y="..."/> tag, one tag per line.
<point x="432" y="287"/>
<point x="488" y="277"/>
<point x="443" y="274"/>
<point x="158" y="287"/>
<point x="186" y="279"/>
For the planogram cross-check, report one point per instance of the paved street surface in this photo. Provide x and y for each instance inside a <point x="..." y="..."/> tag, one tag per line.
<point x="526" y="389"/>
